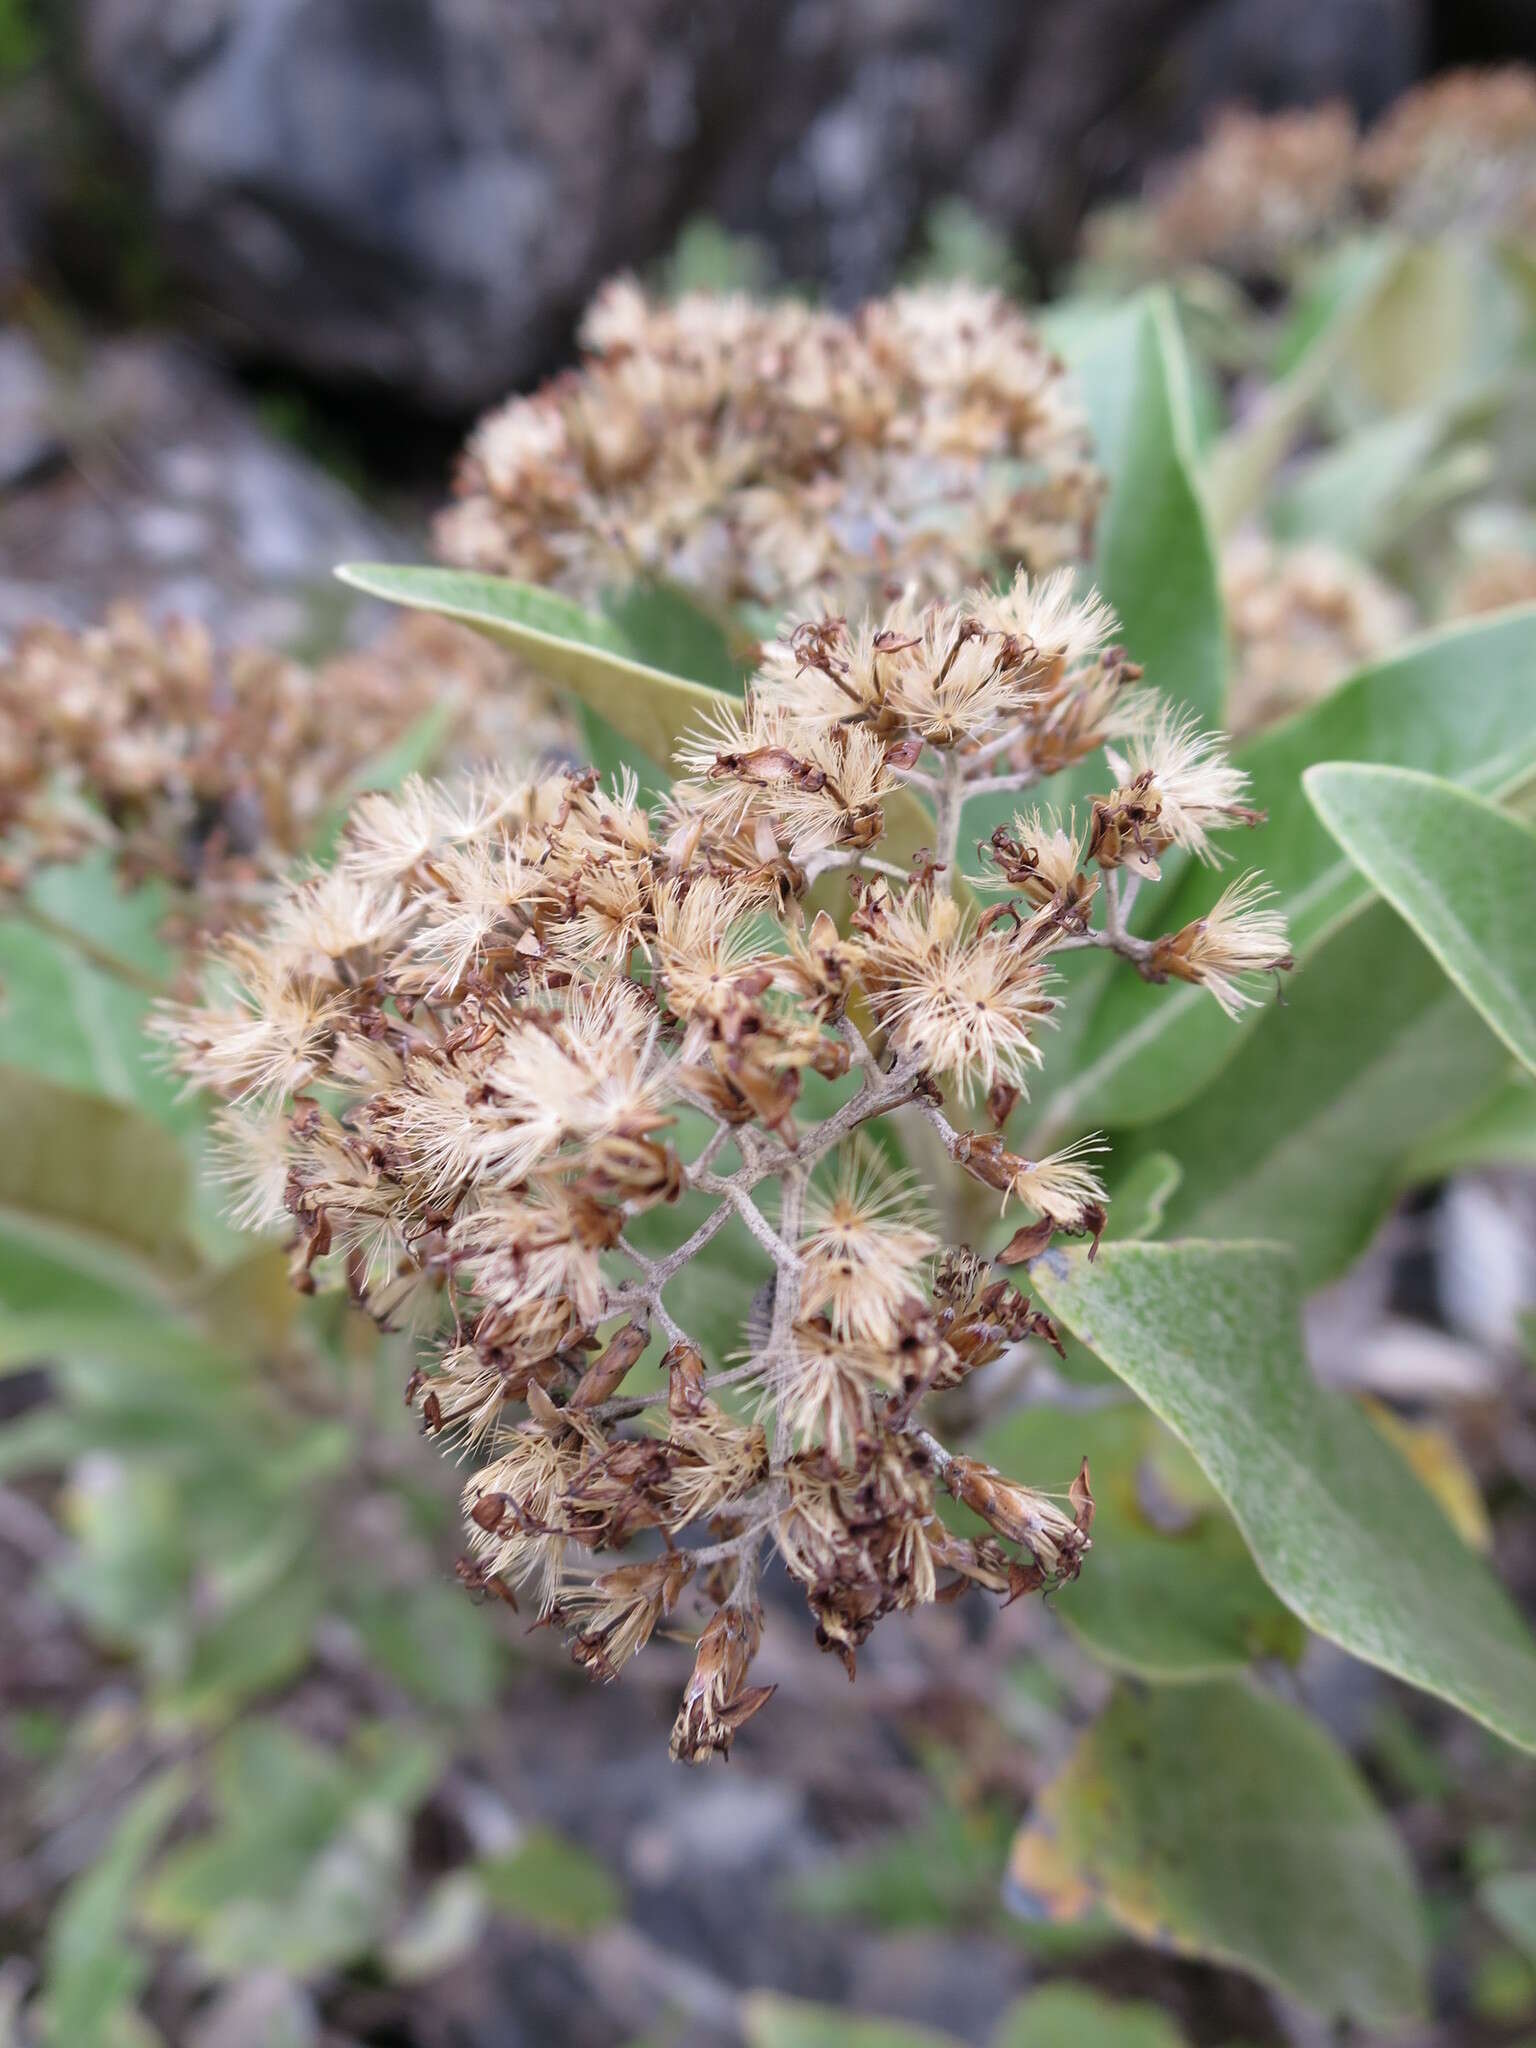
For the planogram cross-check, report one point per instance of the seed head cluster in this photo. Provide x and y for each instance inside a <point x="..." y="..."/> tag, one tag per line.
<point x="759" y="453"/>
<point x="1456" y="153"/>
<point x="1301" y="619"/>
<point x="210" y="770"/>
<point x="545" y="1075"/>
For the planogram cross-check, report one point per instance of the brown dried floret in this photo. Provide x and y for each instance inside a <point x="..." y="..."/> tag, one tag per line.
<point x="528" y="1050"/>
<point x="759" y="452"/>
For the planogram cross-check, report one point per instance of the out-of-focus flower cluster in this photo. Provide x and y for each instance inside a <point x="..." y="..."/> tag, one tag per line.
<point x="1459" y="152"/>
<point x="1301" y="619"/>
<point x="211" y="770"/>
<point x="757" y="453"/>
<point x="519" y="1020"/>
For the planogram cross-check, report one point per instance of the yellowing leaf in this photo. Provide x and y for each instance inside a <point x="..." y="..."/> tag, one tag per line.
<point x="1215" y="1821"/>
<point x="1431" y="1453"/>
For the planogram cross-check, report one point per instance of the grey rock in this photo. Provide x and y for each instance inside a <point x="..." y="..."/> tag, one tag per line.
<point x="163" y="488"/>
<point x="264" y="2010"/>
<point x="424" y="193"/>
<point x="29" y="437"/>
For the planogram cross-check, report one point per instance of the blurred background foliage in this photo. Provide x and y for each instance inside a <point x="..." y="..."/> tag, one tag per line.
<point x="268" y="1778"/>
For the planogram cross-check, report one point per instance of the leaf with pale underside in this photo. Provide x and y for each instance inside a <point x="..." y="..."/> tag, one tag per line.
<point x="584" y="654"/>
<point x="592" y="659"/>
<point x="1217" y="1822"/>
<point x="1209" y="1336"/>
<point x="1457" y="869"/>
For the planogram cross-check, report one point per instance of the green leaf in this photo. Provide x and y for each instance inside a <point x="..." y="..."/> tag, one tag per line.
<point x="1458" y="870"/>
<point x="1071" y="2016"/>
<point x="1209" y="1336"/>
<point x="413" y="753"/>
<point x="430" y="1640"/>
<point x="592" y="659"/>
<point x="1448" y="320"/>
<point x="768" y="2021"/>
<point x="91" y="1973"/>
<point x="1500" y="1131"/>
<point x="1174" y="1603"/>
<point x="942" y="1872"/>
<point x="1218" y="1822"/>
<point x="552" y="1883"/>
<point x="585" y="654"/>
<point x="1509" y="1900"/>
<point x="90" y="1192"/>
<point x="1145" y="1050"/>
<point x="1352" y="494"/>
<point x="1303" y="1136"/>
<point x="662" y="625"/>
<point x="304" y="1868"/>
<point x="1155" y="559"/>
<point x="1142" y="1195"/>
<point x="1330" y="315"/>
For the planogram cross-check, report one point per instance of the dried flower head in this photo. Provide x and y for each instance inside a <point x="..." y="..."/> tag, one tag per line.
<point x="760" y="452"/>
<point x="1260" y="187"/>
<point x="1459" y="150"/>
<point x="1457" y="153"/>
<point x="211" y="771"/>
<point x="477" y="1066"/>
<point x="1301" y="620"/>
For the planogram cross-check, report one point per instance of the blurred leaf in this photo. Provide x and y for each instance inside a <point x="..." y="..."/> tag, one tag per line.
<point x="1145" y="1050"/>
<point x="1071" y="2016"/>
<point x="1430" y="1453"/>
<point x="591" y="658"/>
<point x="1217" y="1822"/>
<point x="1302" y="1137"/>
<point x="768" y="2021"/>
<point x="304" y="1867"/>
<point x="944" y="1872"/>
<point x="1155" y="559"/>
<point x="255" y="1646"/>
<point x="1352" y="494"/>
<point x="662" y="625"/>
<point x="80" y="964"/>
<point x="1141" y="1196"/>
<point x="707" y="257"/>
<point x="553" y="1884"/>
<point x="430" y="1640"/>
<point x="91" y="1202"/>
<point x="1175" y="1603"/>
<point x="250" y="1304"/>
<point x="1500" y="1131"/>
<point x="961" y="246"/>
<point x="1209" y="1337"/>
<point x="1509" y="1900"/>
<point x="91" y="1972"/>
<point x="413" y="753"/>
<point x="1448" y="318"/>
<point x="441" y="1932"/>
<point x="578" y="650"/>
<point x="1328" y="317"/>
<point x="1461" y="872"/>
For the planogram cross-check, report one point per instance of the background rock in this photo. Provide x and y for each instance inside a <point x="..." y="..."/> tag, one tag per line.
<point x="424" y="192"/>
<point x="141" y="473"/>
